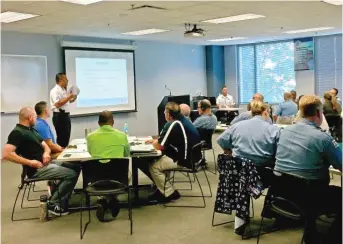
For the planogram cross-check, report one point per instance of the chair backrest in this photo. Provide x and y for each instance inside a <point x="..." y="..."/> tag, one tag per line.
<point x="115" y="169"/>
<point x="196" y="156"/>
<point x="206" y="136"/>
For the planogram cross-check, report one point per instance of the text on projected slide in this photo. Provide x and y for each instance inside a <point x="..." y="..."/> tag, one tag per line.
<point x="102" y="81"/>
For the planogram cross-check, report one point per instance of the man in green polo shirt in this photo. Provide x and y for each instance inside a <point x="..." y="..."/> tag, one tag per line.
<point x="107" y="142"/>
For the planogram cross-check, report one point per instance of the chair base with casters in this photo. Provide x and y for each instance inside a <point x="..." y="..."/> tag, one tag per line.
<point x="188" y="172"/>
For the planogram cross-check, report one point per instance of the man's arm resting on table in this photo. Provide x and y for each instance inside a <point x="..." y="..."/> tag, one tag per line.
<point x="10" y="155"/>
<point x="46" y="155"/>
<point x="55" y="148"/>
<point x="63" y="101"/>
<point x="155" y="144"/>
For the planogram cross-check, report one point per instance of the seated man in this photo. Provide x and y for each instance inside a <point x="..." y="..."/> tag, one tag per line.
<point x="176" y="141"/>
<point x="43" y="128"/>
<point x="307" y="151"/>
<point x="225" y="100"/>
<point x="107" y="142"/>
<point x="185" y="110"/>
<point x="26" y="147"/>
<point x="207" y="120"/>
<point x="286" y="110"/>
<point x="254" y="139"/>
<point x="247" y="115"/>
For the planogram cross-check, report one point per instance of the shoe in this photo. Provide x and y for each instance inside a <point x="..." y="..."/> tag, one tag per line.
<point x="57" y="210"/>
<point x="100" y="211"/>
<point x="174" y="196"/>
<point x="114" y="206"/>
<point x="158" y="197"/>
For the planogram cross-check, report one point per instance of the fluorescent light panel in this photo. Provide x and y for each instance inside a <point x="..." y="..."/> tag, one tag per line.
<point x="144" y="32"/>
<point x="8" y="17"/>
<point x="308" y="30"/>
<point x="227" y="39"/>
<point x="334" y="2"/>
<point x="83" y="2"/>
<point x="234" y="18"/>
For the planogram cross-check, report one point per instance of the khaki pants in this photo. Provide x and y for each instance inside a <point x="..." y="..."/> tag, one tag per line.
<point x="156" y="170"/>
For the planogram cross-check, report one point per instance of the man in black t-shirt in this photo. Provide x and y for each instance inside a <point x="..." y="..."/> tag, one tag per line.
<point x="176" y="141"/>
<point x="26" y="147"/>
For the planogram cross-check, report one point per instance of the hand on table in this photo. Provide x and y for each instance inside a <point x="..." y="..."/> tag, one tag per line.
<point x="150" y="141"/>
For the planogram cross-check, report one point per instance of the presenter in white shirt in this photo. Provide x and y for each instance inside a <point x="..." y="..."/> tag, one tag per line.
<point x="60" y="99"/>
<point x="225" y="100"/>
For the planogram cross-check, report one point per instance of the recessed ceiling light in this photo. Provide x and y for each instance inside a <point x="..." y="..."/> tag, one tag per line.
<point x="145" y="32"/>
<point x="334" y="2"/>
<point x="227" y="39"/>
<point x="8" y="17"/>
<point x="234" y="18"/>
<point x="83" y="2"/>
<point x="308" y="30"/>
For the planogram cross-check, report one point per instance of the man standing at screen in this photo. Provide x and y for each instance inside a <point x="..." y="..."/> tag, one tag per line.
<point x="60" y="99"/>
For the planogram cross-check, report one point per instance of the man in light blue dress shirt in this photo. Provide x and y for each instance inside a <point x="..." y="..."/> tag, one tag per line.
<point x="286" y="109"/>
<point x="207" y="120"/>
<point x="246" y="141"/>
<point x="305" y="150"/>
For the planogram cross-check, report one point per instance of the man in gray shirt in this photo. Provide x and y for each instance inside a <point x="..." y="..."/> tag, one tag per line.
<point x="207" y="120"/>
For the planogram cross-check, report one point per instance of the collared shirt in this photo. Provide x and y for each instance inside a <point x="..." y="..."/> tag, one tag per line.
<point x="255" y="139"/>
<point x="245" y="116"/>
<point x="28" y="144"/>
<point x="44" y="130"/>
<point x="56" y="94"/>
<point x="107" y="142"/>
<point x="287" y="108"/>
<point x="177" y="141"/>
<point x="206" y="121"/>
<point x="324" y="126"/>
<point x="225" y="100"/>
<point x="307" y="151"/>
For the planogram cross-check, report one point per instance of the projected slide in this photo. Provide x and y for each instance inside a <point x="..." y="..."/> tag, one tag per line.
<point x="103" y="82"/>
<point x="106" y="79"/>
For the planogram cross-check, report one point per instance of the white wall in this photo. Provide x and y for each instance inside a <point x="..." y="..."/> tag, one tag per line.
<point x="180" y="67"/>
<point x="305" y="82"/>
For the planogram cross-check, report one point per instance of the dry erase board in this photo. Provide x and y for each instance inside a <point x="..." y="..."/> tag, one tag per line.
<point x="23" y="81"/>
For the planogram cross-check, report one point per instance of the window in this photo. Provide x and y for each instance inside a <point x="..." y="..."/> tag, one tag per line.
<point x="328" y="64"/>
<point x="267" y="68"/>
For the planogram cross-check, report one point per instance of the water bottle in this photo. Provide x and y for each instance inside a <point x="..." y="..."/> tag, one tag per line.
<point x="43" y="206"/>
<point x="126" y="128"/>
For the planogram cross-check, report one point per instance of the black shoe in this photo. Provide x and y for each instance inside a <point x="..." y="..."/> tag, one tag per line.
<point x="57" y="210"/>
<point x="100" y="211"/>
<point x="158" y="197"/>
<point x="174" y="196"/>
<point x="114" y="206"/>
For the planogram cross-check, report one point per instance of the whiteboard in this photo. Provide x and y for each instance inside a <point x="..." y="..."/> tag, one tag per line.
<point x="24" y="81"/>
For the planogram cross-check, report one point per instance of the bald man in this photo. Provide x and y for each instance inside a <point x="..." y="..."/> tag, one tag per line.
<point x="26" y="147"/>
<point x="107" y="142"/>
<point x="286" y="109"/>
<point x="185" y="110"/>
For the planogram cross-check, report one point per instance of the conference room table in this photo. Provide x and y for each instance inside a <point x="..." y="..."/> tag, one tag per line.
<point x="140" y="153"/>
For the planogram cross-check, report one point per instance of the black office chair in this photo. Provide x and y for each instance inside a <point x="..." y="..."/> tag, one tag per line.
<point x="25" y="182"/>
<point x="281" y="199"/>
<point x="105" y="179"/>
<point x="206" y="138"/>
<point x="196" y="163"/>
<point x="335" y="126"/>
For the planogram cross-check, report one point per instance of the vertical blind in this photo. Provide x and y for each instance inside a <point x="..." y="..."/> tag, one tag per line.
<point x="267" y="68"/>
<point x="328" y="64"/>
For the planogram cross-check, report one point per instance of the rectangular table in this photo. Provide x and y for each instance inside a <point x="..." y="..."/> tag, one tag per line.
<point x="138" y="152"/>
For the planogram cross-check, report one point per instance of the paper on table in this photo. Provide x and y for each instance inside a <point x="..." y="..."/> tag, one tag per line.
<point x="74" y="89"/>
<point x="144" y="138"/>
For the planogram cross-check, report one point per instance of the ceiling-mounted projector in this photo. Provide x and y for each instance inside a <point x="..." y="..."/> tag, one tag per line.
<point x="195" y="32"/>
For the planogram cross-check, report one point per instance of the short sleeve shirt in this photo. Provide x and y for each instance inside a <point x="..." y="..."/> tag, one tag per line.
<point x="177" y="143"/>
<point x="44" y="130"/>
<point x="56" y="94"/>
<point x="28" y="144"/>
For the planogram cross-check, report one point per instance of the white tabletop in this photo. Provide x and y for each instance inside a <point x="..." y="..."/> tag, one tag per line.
<point x="229" y="109"/>
<point x="280" y="125"/>
<point x="80" y="153"/>
<point x="221" y="127"/>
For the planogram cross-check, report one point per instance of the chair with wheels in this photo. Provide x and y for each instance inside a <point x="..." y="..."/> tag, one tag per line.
<point x="105" y="177"/>
<point x="196" y="168"/>
<point x="206" y="138"/>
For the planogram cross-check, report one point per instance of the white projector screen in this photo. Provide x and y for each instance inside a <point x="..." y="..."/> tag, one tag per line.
<point x="106" y="79"/>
